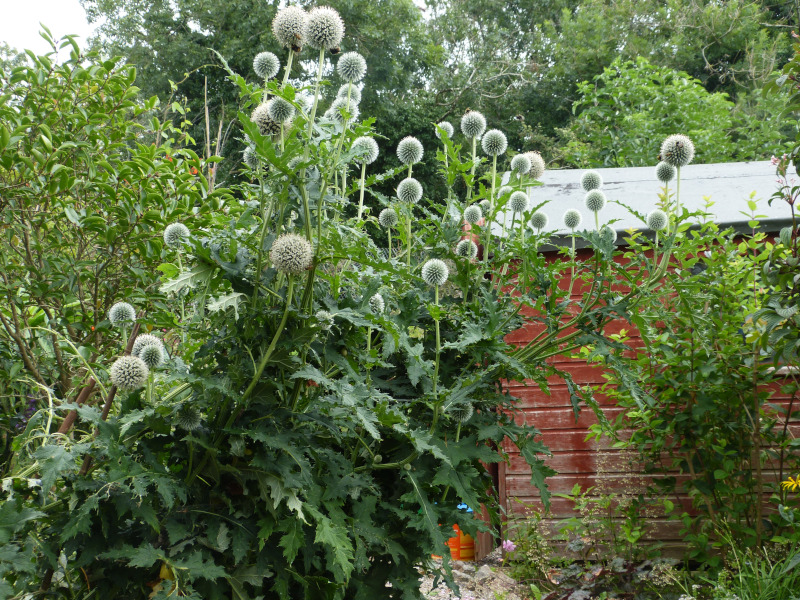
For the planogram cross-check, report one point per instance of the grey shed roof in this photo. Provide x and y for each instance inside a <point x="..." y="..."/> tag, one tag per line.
<point x="728" y="185"/>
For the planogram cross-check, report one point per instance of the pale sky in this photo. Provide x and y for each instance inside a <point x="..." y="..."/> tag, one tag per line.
<point x="19" y="25"/>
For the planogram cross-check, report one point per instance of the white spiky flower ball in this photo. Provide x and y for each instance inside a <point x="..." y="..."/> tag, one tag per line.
<point x="280" y="110"/>
<point x="591" y="180"/>
<point x="572" y="218"/>
<point x="409" y="190"/>
<point x="657" y="220"/>
<point x="410" y="150"/>
<point x="473" y="214"/>
<point x="266" y="65"/>
<point x="266" y="125"/>
<point x="665" y="172"/>
<point x="304" y="101"/>
<point x="288" y="26"/>
<point x="365" y="150"/>
<point x="324" y="28"/>
<point x="388" y="218"/>
<point x="340" y="104"/>
<point x="446" y="127"/>
<point x="595" y="200"/>
<point x="142" y="341"/>
<point x="175" y="234"/>
<point x="608" y="234"/>
<point x="250" y="157"/>
<point x="494" y="142"/>
<point x="355" y="93"/>
<point x="351" y="67"/>
<point x="129" y="373"/>
<point x="473" y="124"/>
<point x="537" y="164"/>
<point x="188" y="418"/>
<point x="504" y="191"/>
<point x="677" y="150"/>
<point x="521" y="164"/>
<point x="376" y="304"/>
<point x="435" y="272"/>
<point x="122" y="314"/>
<point x="518" y="202"/>
<point x="461" y="412"/>
<point x="485" y="205"/>
<point x="291" y="253"/>
<point x="152" y="355"/>
<point x="325" y="319"/>
<point x="467" y="249"/>
<point x="539" y="220"/>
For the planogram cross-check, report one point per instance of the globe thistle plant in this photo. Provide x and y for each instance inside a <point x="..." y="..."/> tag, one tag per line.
<point x="188" y="418"/>
<point x="351" y="67"/>
<point x="376" y="304"/>
<point x="288" y="27"/>
<point x="537" y="164"/>
<point x="486" y="205"/>
<point x="467" y="249"/>
<point x="410" y="151"/>
<point x="142" y="341"/>
<point x="335" y="111"/>
<point x="446" y="127"/>
<point x="266" y="65"/>
<point x="607" y="234"/>
<point x="473" y="214"/>
<point x="122" y="314"/>
<point x="473" y="124"/>
<point x="355" y="93"/>
<point x="435" y="272"/>
<point x="591" y="180"/>
<point x="266" y="125"/>
<point x="494" y="142"/>
<point x="539" y="220"/>
<point x="409" y="190"/>
<point x="658" y="221"/>
<point x="388" y="218"/>
<point x="250" y="158"/>
<point x="291" y="254"/>
<point x="365" y="150"/>
<point x="572" y="219"/>
<point x="325" y="319"/>
<point x="504" y="191"/>
<point x="677" y="150"/>
<point x="152" y="355"/>
<point x="129" y="373"/>
<point x="323" y="28"/>
<point x="280" y="110"/>
<point x="665" y="172"/>
<point x="518" y="202"/>
<point x="595" y="201"/>
<point x="175" y="234"/>
<point x="520" y="165"/>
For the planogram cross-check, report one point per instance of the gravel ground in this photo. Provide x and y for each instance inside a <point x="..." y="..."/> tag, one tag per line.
<point x="483" y="580"/>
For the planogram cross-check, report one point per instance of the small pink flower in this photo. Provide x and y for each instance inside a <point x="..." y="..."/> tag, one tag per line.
<point x="509" y="546"/>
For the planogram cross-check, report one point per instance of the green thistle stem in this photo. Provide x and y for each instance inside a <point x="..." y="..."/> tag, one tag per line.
<point x="261" y="237"/>
<point x="491" y="209"/>
<point x="572" y="272"/>
<point x="474" y="163"/>
<point x="438" y="351"/>
<point x="288" y="68"/>
<point x="369" y="352"/>
<point x="265" y="359"/>
<point x="408" y="232"/>
<point x="389" y="232"/>
<point x="655" y="250"/>
<point x="361" y="192"/>
<point x="678" y="195"/>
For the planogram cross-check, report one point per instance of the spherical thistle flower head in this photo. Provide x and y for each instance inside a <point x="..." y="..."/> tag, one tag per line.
<point x="409" y="190"/>
<point x="152" y="355"/>
<point x="175" y="234"/>
<point x="539" y="220"/>
<point x="473" y="124"/>
<point x="657" y="220"/>
<point x="266" y="65"/>
<point x="435" y="272"/>
<point x="288" y="26"/>
<point x="410" y="150"/>
<point x="341" y="104"/>
<point x="280" y="110"/>
<point x="388" y="218"/>
<point x="352" y="67"/>
<point x="473" y="214"/>
<point x="608" y="234"/>
<point x="504" y="191"/>
<point x="518" y="202"/>
<point x="595" y="200"/>
<point x="591" y="180"/>
<point x="291" y="253"/>
<point x="485" y="205"/>
<point x="122" y="314"/>
<point x="325" y="319"/>
<point x="521" y="164"/>
<point x="266" y="125"/>
<point x="142" y="341"/>
<point x="677" y="150"/>
<point x="355" y="94"/>
<point x="376" y="304"/>
<point x="665" y="172"/>
<point x="572" y="219"/>
<point x="446" y="127"/>
<point x="537" y="164"/>
<point x="129" y="373"/>
<point x="324" y="28"/>
<point x="494" y="142"/>
<point x="188" y="418"/>
<point x="461" y="412"/>
<point x="250" y="157"/>
<point x="365" y="149"/>
<point x="467" y="249"/>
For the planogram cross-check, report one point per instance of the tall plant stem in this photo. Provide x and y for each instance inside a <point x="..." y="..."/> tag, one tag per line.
<point x="474" y="163"/>
<point x="261" y="237"/>
<point x="369" y="355"/>
<point x="265" y="358"/>
<point x="597" y="221"/>
<point x="288" y="68"/>
<point x="389" y="232"/>
<point x="361" y="190"/>
<point x="678" y="194"/>
<point x="491" y="208"/>
<point x="655" y="250"/>
<point x="438" y="351"/>
<point x="572" y="271"/>
<point x="408" y="235"/>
